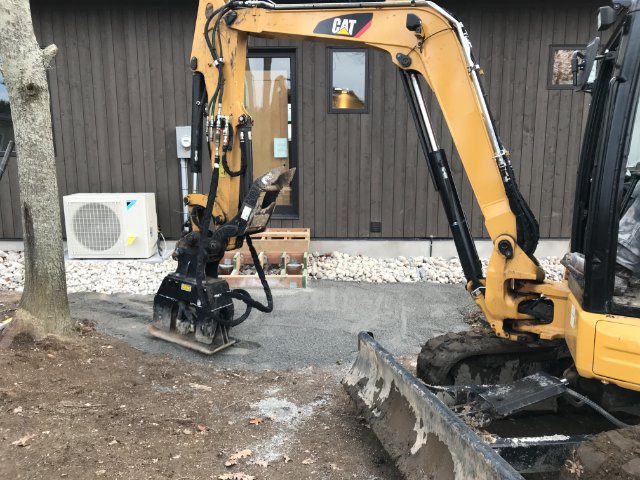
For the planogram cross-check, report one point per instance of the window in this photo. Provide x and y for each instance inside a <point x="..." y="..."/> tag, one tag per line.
<point x="270" y="100"/>
<point x="560" y="74"/>
<point x="6" y="125"/>
<point x="349" y="85"/>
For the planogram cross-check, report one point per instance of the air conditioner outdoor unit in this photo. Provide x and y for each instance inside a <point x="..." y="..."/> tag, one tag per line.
<point x="111" y="225"/>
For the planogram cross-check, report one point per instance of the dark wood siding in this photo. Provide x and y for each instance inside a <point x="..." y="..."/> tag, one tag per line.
<point x="120" y="84"/>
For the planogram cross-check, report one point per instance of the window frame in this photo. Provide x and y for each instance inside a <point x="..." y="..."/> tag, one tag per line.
<point x="552" y="48"/>
<point x="367" y="84"/>
<point x="286" y="212"/>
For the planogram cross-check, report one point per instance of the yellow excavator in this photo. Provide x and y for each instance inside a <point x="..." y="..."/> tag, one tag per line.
<point x="552" y="355"/>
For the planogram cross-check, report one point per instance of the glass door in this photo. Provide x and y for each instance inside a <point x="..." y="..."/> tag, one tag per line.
<point x="270" y="100"/>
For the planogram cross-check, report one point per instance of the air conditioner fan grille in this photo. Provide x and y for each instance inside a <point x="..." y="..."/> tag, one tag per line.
<point x="97" y="226"/>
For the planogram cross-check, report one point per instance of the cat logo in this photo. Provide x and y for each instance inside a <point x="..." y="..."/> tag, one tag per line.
<point x="352" y="25"/>
<point x="343" y="26"/>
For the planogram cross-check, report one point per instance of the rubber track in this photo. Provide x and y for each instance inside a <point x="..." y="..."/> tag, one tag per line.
<point x="441" y="354"/>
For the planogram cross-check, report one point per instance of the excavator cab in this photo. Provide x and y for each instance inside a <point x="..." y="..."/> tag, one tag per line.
<point x="603" y="271"/>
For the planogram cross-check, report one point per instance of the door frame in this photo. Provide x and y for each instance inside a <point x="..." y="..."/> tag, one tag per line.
<point x="286" y="212"/>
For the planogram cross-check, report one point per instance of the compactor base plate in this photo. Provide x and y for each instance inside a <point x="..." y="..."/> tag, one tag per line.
<point x="185" y="341"/>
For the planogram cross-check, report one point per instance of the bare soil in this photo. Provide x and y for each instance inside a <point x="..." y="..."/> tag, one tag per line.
<point x="609" y="455"/>
<point x="95" y="407"/>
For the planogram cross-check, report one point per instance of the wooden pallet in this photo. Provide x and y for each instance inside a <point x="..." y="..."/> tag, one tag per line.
<point x="275" y="246"/>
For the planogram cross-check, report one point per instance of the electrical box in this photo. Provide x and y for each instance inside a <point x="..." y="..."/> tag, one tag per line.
<point x="183" y="142"/>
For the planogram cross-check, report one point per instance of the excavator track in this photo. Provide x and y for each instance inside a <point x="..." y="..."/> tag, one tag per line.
<point x="479" y="357"/>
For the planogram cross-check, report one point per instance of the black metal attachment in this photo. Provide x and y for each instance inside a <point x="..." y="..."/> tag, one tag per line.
<point x="506" y="249"/>
<point x="193" y="63"/>
<point x="606" y="17"/>
<point x="504" y="400"/>
<point x="230" y="17"/>
<point x="199" y="100"/>
<point x="619" y="4"/>
<point x="246" y="151"/>
<point x="403" y="60"/>
<point x="414" y="24"/>
<point x="535" y="455"/>
<point x="192" y="302"/>
<point x="541" y="308"/>
<point x="582" y="64"/>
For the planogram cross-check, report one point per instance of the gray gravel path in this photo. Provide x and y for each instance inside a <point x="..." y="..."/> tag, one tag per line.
<point x="314" y="326"/>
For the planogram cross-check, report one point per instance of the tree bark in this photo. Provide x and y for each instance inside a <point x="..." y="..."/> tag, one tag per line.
<point x="24" y="65"/>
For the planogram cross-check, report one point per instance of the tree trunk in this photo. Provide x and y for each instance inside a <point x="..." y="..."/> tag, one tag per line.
<point x="24" y="66"/>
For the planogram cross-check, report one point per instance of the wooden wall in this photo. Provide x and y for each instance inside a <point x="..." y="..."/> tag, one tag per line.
<point x="121" y="83"/>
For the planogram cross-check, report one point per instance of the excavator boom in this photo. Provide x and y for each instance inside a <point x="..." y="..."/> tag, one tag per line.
<point x="425" y="42"/>
<point x="528" y="317"/>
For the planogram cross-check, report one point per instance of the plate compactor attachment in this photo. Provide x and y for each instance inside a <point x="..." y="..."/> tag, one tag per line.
<point x="193" y="307"/>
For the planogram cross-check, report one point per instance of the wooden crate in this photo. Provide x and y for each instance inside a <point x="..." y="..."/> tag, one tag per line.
<point x="275" y="246"/>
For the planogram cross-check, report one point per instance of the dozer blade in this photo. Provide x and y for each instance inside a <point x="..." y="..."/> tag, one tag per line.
<point x="423" y="437"/>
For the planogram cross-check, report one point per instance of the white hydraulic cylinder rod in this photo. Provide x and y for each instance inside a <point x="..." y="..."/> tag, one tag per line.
<point x="184" y="189"/>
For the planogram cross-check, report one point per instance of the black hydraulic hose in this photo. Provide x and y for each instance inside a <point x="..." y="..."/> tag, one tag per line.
<point x="217" y="14"/>
<point x="597" y="408"/>
<point x="243" y="159"/>
<point x="245" y="297"/>
<point x="268" y="308"/>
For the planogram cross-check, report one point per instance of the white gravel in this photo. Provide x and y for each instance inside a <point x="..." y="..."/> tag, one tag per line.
<point x="144" y="277"/>
<point x="358" y="268"/>
<point x="101" y="276"/>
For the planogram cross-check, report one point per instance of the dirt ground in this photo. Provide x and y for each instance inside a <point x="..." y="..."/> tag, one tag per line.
<point x="95" y="407"/>
<point x="609" y="455"/>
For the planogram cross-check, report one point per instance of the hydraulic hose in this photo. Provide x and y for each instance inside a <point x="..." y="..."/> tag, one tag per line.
<point x="597" y="408"/>
<point x="245" y="297"/>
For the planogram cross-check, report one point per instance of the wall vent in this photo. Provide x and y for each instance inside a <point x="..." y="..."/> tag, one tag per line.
<point x="375" y="227"/>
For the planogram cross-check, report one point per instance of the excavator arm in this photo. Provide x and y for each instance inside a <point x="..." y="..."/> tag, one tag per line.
<point x="422" y="40"/>
<point x="529" y="315"/>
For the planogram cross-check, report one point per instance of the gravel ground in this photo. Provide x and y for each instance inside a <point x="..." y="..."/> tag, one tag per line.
<point x="318" y="325"/>
<point x="144" y="277"/>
